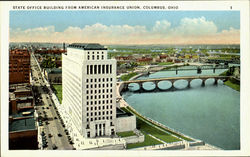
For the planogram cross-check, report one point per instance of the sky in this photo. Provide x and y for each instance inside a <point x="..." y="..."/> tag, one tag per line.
<point x="126" y="27"/>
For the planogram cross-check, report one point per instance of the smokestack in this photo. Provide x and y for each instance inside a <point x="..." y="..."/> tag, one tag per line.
<point x="64" y="46"/>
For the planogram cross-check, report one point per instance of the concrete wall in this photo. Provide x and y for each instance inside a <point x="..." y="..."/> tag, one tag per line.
<point x="125" y="123"/>
<point x="134" y="139"/>
<point x="110" y="147"/>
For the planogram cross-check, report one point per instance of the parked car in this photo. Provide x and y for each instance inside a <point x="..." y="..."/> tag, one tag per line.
<point x="54" y="146"/>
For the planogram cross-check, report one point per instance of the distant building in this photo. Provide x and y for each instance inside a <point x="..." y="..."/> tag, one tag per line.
<point x="19" y="66"/>
<point x="89" y="90"/>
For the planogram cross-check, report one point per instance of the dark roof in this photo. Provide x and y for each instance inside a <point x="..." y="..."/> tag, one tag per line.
<point x="120" y="113"/>
<point x="87" y="46"/>
<point x="22" y="124"/>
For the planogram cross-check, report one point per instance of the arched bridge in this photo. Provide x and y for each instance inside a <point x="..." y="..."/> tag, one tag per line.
<point x="173" y="79"/>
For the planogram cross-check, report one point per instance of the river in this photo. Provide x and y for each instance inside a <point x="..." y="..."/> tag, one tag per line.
<point x="210" y="113"/>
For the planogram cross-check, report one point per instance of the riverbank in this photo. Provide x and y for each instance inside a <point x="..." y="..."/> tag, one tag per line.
<point x="232" y="83"/>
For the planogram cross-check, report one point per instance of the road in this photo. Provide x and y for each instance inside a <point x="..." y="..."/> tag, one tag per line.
<point x="44" y="106"/>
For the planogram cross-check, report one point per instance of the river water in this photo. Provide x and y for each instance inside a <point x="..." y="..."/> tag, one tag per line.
<point x="210" y="113"/>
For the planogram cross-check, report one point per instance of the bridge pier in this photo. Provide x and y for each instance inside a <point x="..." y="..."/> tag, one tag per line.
<point x="203" y="83"/>
<point x="189" y="84"/>
<point x="215" y="81"/>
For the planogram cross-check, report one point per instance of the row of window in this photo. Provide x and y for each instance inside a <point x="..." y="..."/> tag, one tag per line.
<point x="97" y="57"/>
<point x="99" y="102"/>
<point x="98" y="91"/>
<point x="99" y="96"/>
<point x="99" y="118"/>
<point x="99" y="69"/>
<point x="99" y="107"/>
<point x="99" y="113"/>
<point x="99" y="85"/>
<point x="96" y="52"/>
<point x="99" y="80"/>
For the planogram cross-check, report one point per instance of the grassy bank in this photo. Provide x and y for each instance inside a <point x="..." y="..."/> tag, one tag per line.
<point x="232" y="85"/>
<point x="165" y="63"/>
<point x="128" y="76"/>
<point x="148" y="128"/>
<point x="58" y="92"/>
<point x="230" y="82"/>
<point x="148" y="141"/>
<point x="126" y="134"/>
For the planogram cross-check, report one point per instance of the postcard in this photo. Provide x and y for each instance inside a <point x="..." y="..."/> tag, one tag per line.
<point x="124" y="78"/>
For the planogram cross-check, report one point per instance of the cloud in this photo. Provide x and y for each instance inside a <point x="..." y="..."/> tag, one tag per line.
<point x="189" y="31"/>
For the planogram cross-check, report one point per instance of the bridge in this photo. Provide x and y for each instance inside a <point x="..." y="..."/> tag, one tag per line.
<point x="172" y="80"/>
<point x="199" y="68"/>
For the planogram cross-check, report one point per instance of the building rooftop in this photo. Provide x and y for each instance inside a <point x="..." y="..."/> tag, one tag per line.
<point x="54" y="71"/>
<point x="87" y="46"/>
<point x="22" y="124"/>
<point x="120" y="113"/>
<point x="23" y="120"/>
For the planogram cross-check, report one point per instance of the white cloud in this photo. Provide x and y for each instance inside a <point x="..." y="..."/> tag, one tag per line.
<point x="189" y="31"/>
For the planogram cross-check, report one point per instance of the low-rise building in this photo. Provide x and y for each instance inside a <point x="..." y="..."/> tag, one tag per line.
<point x="54" y="76"/>
<point x="22" y="123"/>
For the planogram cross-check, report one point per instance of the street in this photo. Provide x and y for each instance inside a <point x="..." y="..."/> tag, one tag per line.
<point x="51" y="127"/>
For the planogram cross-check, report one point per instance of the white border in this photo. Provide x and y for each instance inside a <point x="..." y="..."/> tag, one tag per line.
<point x="243" y="6"/>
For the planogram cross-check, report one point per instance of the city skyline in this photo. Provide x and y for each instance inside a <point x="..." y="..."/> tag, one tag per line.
<point x="117" y="27"/>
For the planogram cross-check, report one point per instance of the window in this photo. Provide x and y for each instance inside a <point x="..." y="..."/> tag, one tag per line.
<point x="100" y="72"/>
<point x="102" y="52"/>
<point x="88" y="57"/>
<point x="91" y="69"/>
<point x="87" y="70"/>
<point x="107" y="79"/>
<point x="87" y="104"/>
<point x="95" y="69"/>
<point x="87" y="80"/>
<point x="98" y="57"/>
<point x="88" y="53"/>
<point x="99" y="85"/>
<point x="107" y="107"/>
<point x="87" y="97"/>
<point x="107" y="85"/>
<point x="87" y="92"/>
<point x="102" y="57"/>
<point x="93" y="52"/>
<point x="97" y="52"/>
<point x="87" y="114"/>
<point x="103" y="102"/>
<point x="103" y="69"/>
<point x="107" y="69"/>
<point x="110" y="69"/>
<point x="87" y="108"/>
<point x="110" y="101"/>
<point x="110" y="95"/>
<point x="110" y="106"/>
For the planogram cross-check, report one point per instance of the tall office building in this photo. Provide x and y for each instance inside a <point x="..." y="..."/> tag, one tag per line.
<point x="89" y="89"/>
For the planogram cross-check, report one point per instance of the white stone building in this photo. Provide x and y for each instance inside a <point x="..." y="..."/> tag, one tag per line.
<point x="89" y="90"/>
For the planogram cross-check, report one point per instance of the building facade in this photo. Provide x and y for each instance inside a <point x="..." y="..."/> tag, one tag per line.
<point x="19" y="66"/>
<point x="89" y="89"/>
